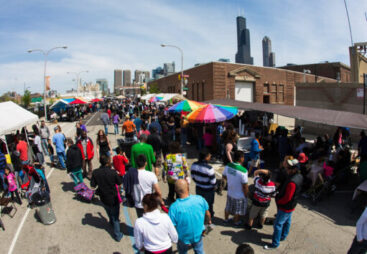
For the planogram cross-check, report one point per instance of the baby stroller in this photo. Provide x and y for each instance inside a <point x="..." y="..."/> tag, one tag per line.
<point x="38" y="195"/>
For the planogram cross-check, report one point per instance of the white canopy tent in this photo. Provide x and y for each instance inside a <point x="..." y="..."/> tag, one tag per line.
<point x="14" y="117"/>
<point x="165" y="96"/>
<point x="147" y="96"/>
<point x="170" y="96"/>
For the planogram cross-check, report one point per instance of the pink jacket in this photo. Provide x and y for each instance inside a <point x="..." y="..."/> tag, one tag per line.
<point x="11" y="182"/>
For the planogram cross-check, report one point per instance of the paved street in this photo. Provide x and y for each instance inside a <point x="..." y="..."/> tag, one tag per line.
<point x="327" y="227"/>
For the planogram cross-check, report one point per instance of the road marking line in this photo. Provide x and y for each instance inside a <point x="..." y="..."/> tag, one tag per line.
<point x="28" y="209"/>
<point x="91" y="118"/>
<point x="129" y="224"/>
<point x="18" y="231"/>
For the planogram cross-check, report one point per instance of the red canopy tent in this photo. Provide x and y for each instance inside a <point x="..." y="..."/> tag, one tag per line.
<point x="96" y="100"/>
<point x="77" y="101"/>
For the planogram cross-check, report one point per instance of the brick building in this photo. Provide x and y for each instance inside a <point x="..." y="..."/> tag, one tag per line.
<point x="216" y="80"/>
<point x="335" y="70"/>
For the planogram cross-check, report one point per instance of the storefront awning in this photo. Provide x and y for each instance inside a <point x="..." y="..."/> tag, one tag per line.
<point x="316" y="115"/>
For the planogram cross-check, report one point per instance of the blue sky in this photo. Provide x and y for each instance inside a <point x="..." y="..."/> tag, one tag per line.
<point x="118" y="34"/>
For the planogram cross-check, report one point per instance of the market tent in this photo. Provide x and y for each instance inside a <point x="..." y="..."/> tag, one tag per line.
<point x="96" y="100"/>
<point x="14" y="117"/>
<point x="316" y="115"/>
<point x="77" y="101"/>
<point x="170" y="96"/>
<point x="147" y="96"/>
<point x="60" y="104"/>
<point x="120" y="97"/>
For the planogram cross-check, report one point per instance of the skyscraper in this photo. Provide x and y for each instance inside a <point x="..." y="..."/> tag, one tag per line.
<point x="141" y="76"/>
<point x="243" y="42"/>
<point x="103" y="84"/>
<point x="117" y="81"/>
<point x="268" y="55"/>
<point x="168" y="68"/>
<point x="127" y="78"/>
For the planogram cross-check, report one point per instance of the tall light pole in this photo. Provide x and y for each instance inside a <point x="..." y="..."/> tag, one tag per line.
<point x="77" y="78"/>
<point x="182" y="77"/>
<point x="45" y="54"/>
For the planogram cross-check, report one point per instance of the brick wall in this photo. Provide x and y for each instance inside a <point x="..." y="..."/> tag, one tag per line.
<point x="212" y="81"/>
<point x="329" y="70"/>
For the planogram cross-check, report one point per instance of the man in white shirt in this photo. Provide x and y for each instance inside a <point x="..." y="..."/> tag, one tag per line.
<point x="148" y="183"/>
<point x="237" y="179"/>
<point x="359" y="244"/>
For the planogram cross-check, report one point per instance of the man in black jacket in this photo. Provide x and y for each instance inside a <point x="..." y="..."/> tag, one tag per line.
<point x="74" y="162"/>
<point x="106" y="179"/>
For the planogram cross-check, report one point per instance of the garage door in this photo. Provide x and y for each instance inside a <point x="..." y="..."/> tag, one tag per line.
<point x="244" y="91"/>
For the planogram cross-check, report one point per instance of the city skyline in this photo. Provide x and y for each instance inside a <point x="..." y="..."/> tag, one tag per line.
<point x="130" y="36"/>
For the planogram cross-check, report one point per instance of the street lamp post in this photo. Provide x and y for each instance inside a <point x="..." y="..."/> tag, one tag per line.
<point x="77" y="79"/>
<point x="45" y="54"/>
<point x="182" y="77"/>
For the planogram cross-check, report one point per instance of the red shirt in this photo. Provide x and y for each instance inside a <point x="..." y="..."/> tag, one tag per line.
<point x="22" y="148"/>
<point x="109" y="113"/>
<point x="119" y="163"/>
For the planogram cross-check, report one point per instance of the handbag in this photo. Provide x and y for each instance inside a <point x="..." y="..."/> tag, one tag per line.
<point x="118" y="194"/>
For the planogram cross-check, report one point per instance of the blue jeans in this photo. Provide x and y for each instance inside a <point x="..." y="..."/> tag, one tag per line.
<point x="62" y="158"/>
<point x="116" y="125"/>
<point x="281" y="227"/>
<point x="198" y="247"/>
<point x="113" y="213"/>
<point x="44" y="146"/>
<point x="106" y="129"/>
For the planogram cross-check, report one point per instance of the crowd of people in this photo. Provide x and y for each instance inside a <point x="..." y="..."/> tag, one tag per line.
<point x="155" y="148"/>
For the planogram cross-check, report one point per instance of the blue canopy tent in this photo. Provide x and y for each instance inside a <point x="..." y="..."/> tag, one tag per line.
<point x="61" y="104"/>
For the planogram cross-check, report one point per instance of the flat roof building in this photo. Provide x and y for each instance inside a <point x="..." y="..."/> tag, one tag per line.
<point x="217" y="80"/>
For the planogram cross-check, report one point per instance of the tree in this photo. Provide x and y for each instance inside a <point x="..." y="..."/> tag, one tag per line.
<point x="26" y="99"/>
<point x="153" y="88"/>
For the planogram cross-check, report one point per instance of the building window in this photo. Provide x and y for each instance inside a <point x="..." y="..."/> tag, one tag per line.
<point x="193" y="91"/>
<point x="266" y="89"/>
<point x="202" y="91"/>
<point x="280" y="93"/>
<point x="197" y="91"/>
<point x="273" y="93"/>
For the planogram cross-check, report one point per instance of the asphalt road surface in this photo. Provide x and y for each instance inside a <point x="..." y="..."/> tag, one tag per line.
<point x="328" y="227"/>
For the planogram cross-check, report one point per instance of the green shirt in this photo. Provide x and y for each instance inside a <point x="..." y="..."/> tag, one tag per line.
<point x="147" y="150"/>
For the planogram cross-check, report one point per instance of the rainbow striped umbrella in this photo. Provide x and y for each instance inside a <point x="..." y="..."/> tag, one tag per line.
<point x="185" y="106"/>
<point x="211" y="113"/>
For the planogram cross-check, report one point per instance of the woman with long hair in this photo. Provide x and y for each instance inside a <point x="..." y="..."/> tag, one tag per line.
<point x="103" y="144"/>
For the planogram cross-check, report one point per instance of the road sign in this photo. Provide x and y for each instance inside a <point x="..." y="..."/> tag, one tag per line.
<point x="185" y="89"/>
<point x="186" y="76"/>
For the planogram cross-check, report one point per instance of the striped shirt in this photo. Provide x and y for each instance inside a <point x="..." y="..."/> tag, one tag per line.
<point x="204" y="175"/>
<point x="263" y="192"/>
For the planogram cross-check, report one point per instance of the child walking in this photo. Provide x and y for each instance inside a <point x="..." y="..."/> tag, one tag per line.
<point x="12" y="185"/>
